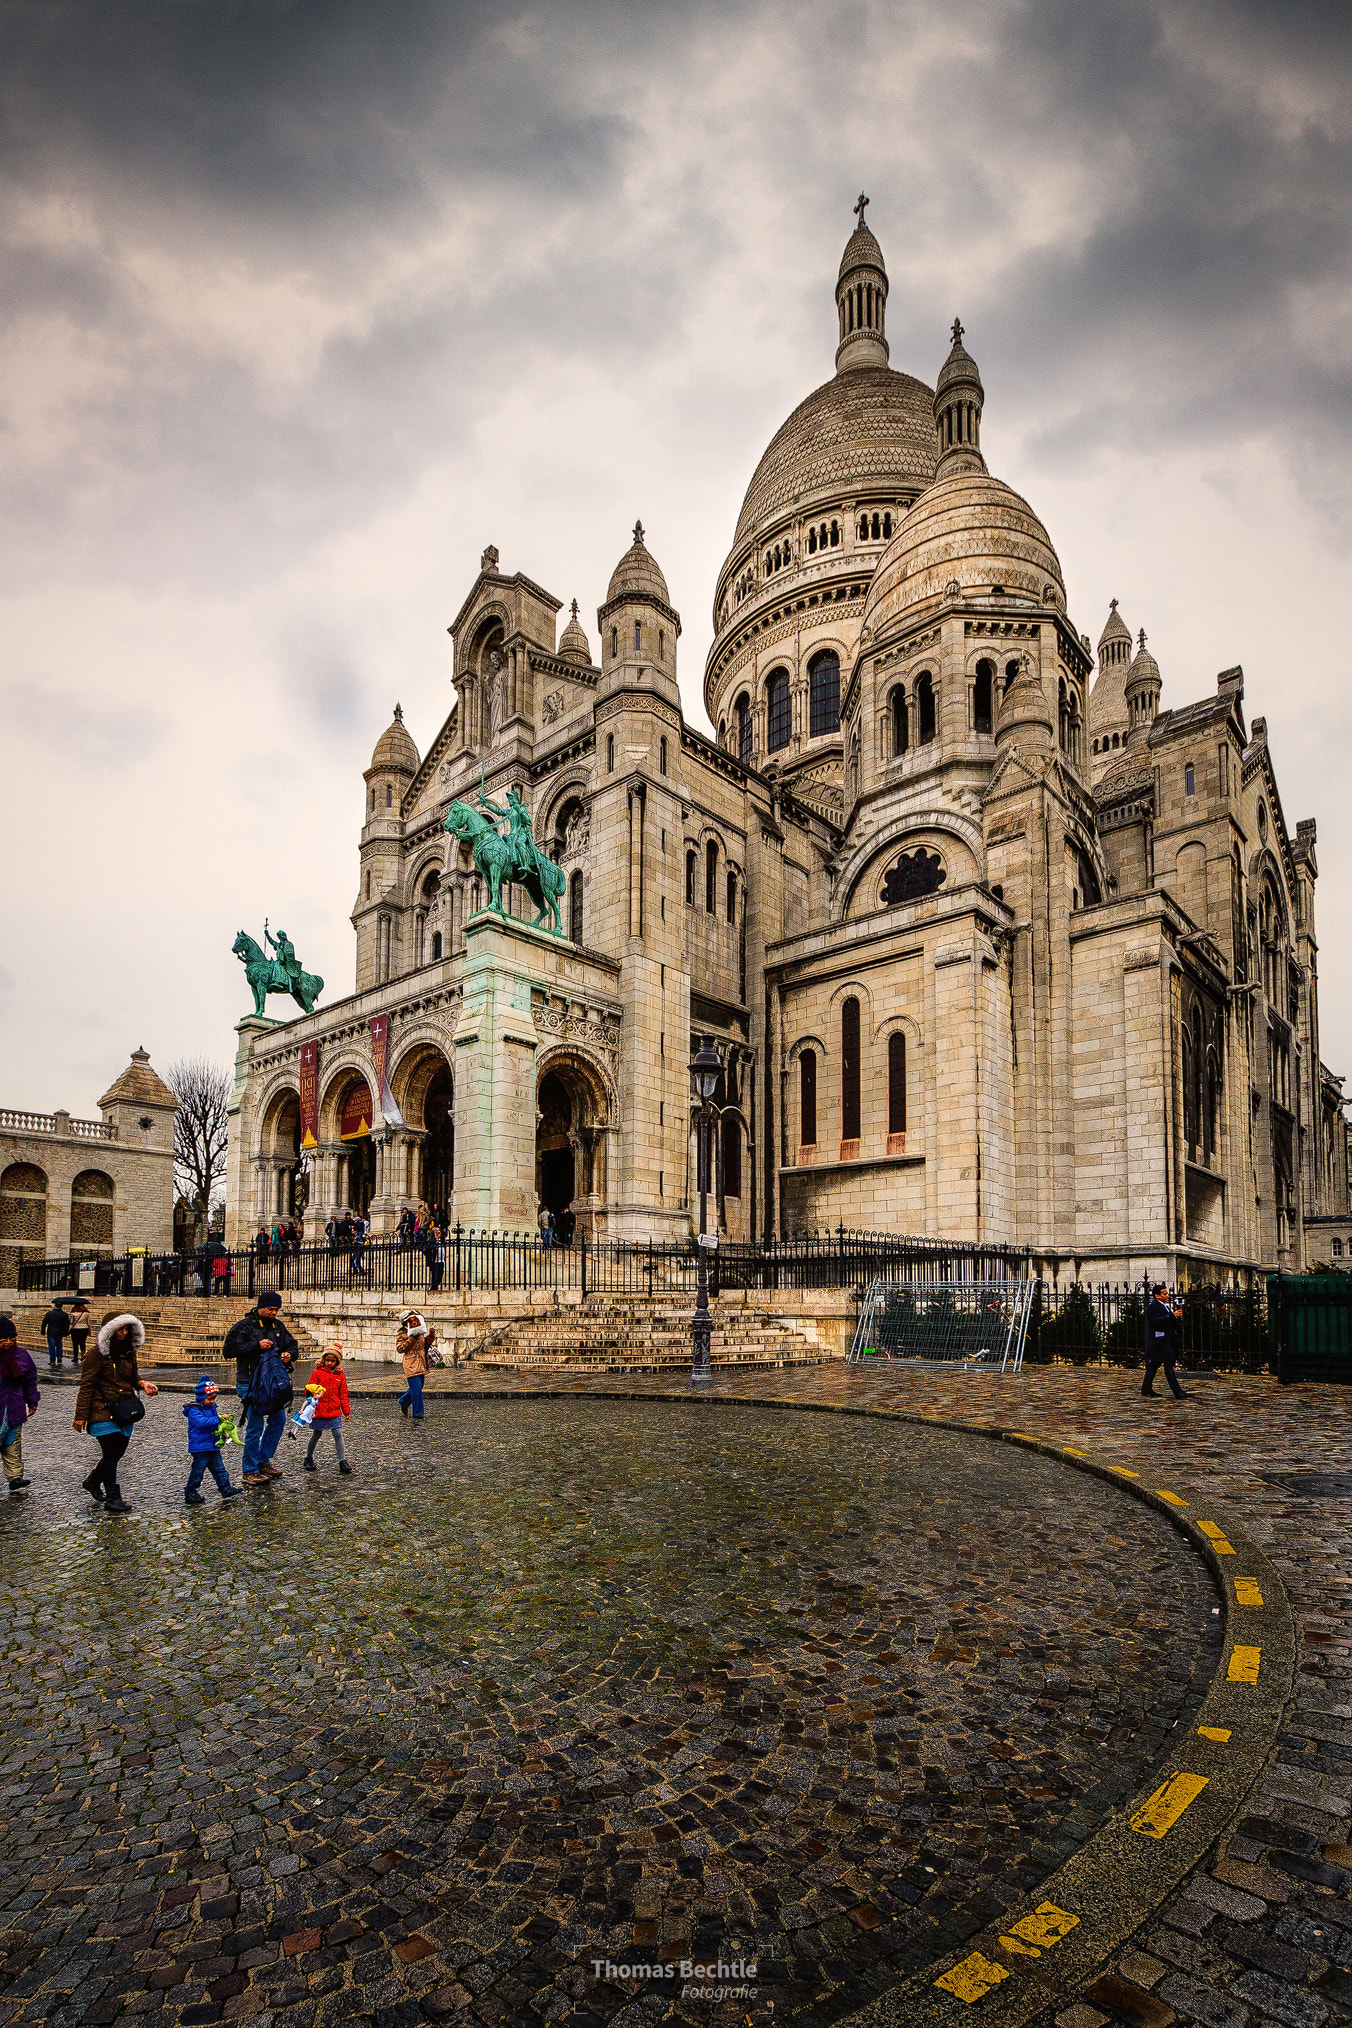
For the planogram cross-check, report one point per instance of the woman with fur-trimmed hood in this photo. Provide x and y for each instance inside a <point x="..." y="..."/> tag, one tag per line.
<point x="108" y="1405"/>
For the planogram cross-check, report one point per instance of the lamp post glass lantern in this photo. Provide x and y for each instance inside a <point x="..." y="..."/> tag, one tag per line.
<point x="704" y="1075"/>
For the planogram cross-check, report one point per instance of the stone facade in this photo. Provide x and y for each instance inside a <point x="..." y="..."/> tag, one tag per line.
<point x="89" y="1187"/>
<point x="992" y="946"/>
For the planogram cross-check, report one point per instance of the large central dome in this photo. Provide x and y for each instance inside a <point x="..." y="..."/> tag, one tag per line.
<point x="866" y="430"/>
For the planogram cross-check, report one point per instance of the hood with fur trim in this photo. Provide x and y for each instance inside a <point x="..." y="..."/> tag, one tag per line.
<point x="138" y="1335"/>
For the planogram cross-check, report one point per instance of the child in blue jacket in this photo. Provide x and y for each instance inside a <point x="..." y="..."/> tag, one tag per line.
<point x="204" y="1429"/>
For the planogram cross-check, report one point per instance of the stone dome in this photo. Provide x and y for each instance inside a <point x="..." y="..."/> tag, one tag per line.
<point x="1144" y="668"/>
<point x="861" y="251"/>
<point x="969" y="529"/>
<point x="395" y="749"/>
<point x="573" y="643"/>
<point x="1115" y="627"/>
<point x="636" y="574"/>
<point x="867" y="431"/>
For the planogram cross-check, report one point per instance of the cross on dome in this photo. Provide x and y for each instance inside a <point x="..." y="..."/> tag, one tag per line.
<point x="1112" y="605"/>
<point x="398" y="714"/>
<point x="957" y="331"/>
<point x="861" y="207"/>
<point x="1142" y="639"/>
<point x="575" y="607"/>
<point x="638" y="533"/>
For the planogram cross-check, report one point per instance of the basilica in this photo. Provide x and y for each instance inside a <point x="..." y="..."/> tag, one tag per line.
<point x="995" y="940"/>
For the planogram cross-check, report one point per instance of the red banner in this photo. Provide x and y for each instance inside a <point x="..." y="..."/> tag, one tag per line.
<point x="380" y="1052"/>
<point x="309" y="1094"/>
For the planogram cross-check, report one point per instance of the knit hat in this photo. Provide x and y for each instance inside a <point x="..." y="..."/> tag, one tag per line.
<point x="269" y="1300"/>
<point x="204" y="1386"/>
<point x="7" y="1329"/>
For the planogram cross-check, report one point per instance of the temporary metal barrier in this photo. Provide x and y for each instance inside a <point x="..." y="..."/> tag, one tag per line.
<point x="1310" y="1321"/>
<point x="945" y="1321"/>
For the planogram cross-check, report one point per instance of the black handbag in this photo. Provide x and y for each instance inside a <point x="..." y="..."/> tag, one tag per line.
<point x="127" y="1409"/>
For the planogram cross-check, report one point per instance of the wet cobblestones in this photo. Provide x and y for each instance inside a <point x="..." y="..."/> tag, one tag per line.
<point x="551" y="1680"/>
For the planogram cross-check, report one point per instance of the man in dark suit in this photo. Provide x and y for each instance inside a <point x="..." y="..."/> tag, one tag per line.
<point x="1160" y="1320"/>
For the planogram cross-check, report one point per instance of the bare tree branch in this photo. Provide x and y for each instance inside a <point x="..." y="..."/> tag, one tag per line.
<point x="201" y="1128"/>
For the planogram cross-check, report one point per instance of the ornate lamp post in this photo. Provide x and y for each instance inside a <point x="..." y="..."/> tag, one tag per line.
<point x="704" y="1075"/>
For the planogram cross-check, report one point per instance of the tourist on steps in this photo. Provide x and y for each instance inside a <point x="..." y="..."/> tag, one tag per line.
<point x="108" y="1405"/>
<point x="414" y="1342"/>
<point x="19" y="1399"/>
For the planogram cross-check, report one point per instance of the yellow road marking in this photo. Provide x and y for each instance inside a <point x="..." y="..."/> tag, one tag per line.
<point x="1218" y="1539"/>
<point x="1038" y="1932"/>
<point x="973" y="1978"/>
<point x="1243" y="1665"/>
<point x="1163" y="1810"/>
<point x="1071" y="1452"/>
<point x="1247" y="1592"/>
<point x="1220" y="1732"/>
<point x="1123" y="1473"/>
<point x="1172" y="1498"/>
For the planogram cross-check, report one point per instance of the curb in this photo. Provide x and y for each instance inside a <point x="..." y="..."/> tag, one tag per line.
<point x="1050" y="1945"/>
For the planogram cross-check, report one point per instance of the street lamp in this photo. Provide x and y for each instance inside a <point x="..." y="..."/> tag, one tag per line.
<point x="705" y="1072"/>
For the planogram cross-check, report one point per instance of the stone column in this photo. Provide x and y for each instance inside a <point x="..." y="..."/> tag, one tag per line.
<point x="495" y="1049"/>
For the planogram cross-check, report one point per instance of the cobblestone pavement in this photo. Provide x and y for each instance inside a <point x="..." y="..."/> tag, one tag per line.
<point x="549" y="1680"/>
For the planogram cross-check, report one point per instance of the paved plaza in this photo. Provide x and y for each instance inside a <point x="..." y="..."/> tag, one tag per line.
<point x="588" y="1674"/>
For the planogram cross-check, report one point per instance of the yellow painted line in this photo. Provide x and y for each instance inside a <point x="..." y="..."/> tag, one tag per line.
<point x="1167" y="1805"/>
<point x="1172" y="1498"/>
<point x="1071" y="1452"/>
<point x="973" y="1978"/>
<point x="1218" y="1538"/>
<point x="1123" y="1473"/>
<point x="1243" y="1665"/>
<point x="1247" y="1592"/>
<point x="1038" y="1932"/>
<point x="1220" y="1732"/>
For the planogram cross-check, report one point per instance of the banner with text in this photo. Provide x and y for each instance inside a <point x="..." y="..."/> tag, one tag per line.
<point x="309" y="1095"/>
<point x="380" y="1049"/>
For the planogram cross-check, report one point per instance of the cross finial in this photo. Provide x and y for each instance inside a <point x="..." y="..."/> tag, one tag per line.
<point x="861" y="208"/>
<point x="1142" y="639"/>
<point x="957" y="331"/>
<point x="574" y="608"/>
<point x="638" y="533"/>
<point x="398" y="714"/>
<point x="1112" y="605"/>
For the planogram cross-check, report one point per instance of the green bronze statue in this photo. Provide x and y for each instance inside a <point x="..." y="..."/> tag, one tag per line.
<point x="281" y="973"/>
<point x="515" y="859"/>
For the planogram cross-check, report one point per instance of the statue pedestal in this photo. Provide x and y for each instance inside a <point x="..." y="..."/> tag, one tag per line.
<point x="495" y="1049"/>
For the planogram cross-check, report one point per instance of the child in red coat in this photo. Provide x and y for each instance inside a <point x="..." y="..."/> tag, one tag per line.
<point x="332" y="1408"/>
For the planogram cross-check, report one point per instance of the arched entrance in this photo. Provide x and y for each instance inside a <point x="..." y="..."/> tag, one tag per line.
<point x="424" y="1090"/>
<point x="439" y="1147"/>
<point x="572" y="1116"/>
<point x="283" y="1188"/>
<point x="357" y="1162"/>
<point x="23" y="1218"/>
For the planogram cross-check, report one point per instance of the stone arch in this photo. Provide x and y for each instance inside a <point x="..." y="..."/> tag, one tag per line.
<point x="573" y="786"/>
<point x="922" y="826"/>
<point x="422" y="1080"/>
<point x="575" y="1112"/>
<point x="356" y="1161"/>
<point x="23" y="1217"/>
<point x="281" y="1172"/>
<point x="92" y="1203"/>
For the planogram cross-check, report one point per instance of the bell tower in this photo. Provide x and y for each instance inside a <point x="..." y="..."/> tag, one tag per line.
<point x="861" y="299"/>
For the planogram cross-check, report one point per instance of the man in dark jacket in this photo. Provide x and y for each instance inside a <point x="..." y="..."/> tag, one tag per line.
<point x="1160" y="1319"/>
<point x="55" y="1326"/>
<point x="263" y="1351"/>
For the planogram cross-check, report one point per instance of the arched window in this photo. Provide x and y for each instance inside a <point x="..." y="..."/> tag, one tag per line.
<point x="823" y="676"/>
<point x="1189" y="780"/>
<point x="924" y="705"/>
<point x="732" y="897"/>
<point x="368" y="883"/>
<point x="389" y="795"/>
<point x="877" y="528"/>
<point x="711" y="877"/>
<point x="690" y="878"/>
<point x="1011" y="671"/>
<point x="610" y="753"/>
<point x="901" y="731"/>
<point x="732" y="1157"/>
<point x="778" y="716"/>
<point x="887" y="527"/>
<point x="863" y="528"/>
<point x="849" y="1070"/>
<point x="1211" y="1118"/>
<point x="614" y="642"/>
<point x="744" y="729"/>
<point x="722" y="732"/>
<point x="661" y="756"/>
<point x="436" y="947"/>
<point x="896" y="1083"/>
<point x="807" y="1098"/>
<point x="835" y="534"/>
<point x="575" y="906"/>
<point x="982" y="692"/>
<point x="638" y="637"/>
<point x="661" y="645"/>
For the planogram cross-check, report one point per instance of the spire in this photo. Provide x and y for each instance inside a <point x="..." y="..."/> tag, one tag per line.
<point x="958" y="401"/>
<point x="1143" y="686"/>
<point x="861" y="299"/>
<point x="1114" y="645"/>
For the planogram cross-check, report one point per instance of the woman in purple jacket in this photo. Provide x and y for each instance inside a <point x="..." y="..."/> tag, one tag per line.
<point x="19" y="1398"/>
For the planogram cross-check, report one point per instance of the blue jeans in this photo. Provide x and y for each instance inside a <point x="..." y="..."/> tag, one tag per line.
<point x="202" y="1463"/>
<point x="262" y="1435"/>
<point x="412" y="1394"/>
<point x="54" y="1343"/>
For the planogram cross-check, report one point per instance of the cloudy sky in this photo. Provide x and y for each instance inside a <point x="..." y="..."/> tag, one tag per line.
<point x="302" y="304"/>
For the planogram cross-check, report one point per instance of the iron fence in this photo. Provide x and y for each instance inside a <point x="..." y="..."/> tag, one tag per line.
<point x="1101" y="1324"/>
<point x="1310" y="1327"/>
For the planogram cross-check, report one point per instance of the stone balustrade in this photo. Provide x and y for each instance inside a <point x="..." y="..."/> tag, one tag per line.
<point x="14" y="1121"/>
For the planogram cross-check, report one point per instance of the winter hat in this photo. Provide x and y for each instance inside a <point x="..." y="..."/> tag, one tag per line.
<point x="7" y="1329"/>
<point x="415" y="1318"/>
<point x="269" y="1300"/>
<point x="206" y="1385"/>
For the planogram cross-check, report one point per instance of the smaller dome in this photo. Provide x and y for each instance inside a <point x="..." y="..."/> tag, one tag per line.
<point x="967" y="535"/>
<point x="1144" y="668"/>
<point x="861" y="251"/>
<point x="395" y="748"/>
<point x="959" y="366"/>
<point x="637" y="575"/>
<point x="573" y="644"/>
<point x="1115" y="627"/>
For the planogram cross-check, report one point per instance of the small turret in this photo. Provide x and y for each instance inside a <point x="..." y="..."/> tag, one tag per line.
<point x="393" y="766"/>
<point x="1023" y="716"/>
<point x="959" y="399"/>
<point x="861" y="299"/>
<point x="1143" y="694"/>
<point x="639" y="625"/>
<point x="573" y="643"/>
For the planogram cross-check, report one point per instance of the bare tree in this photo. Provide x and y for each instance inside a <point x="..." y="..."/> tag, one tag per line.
<point x="201" y="1128"/>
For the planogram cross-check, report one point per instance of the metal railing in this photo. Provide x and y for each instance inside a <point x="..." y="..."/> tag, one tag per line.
<point x="946" y="1321"/>
<point x="1098" y="1324"/>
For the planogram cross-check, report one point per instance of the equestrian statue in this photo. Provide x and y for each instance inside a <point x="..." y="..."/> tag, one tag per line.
<point x="513" y="860"/>
<point x="280" y="973"/>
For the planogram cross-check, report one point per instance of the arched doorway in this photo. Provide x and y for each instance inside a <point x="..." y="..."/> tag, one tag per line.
<point x="439" y="1146"/>
<point x="23" y="1218"/>
<point x="424" y="1091"/>
<point x="572" y="1116"/>
<point x="91" y="1213"/>
<point x="284" y="1178"/>
<point x="354" y="1134"/>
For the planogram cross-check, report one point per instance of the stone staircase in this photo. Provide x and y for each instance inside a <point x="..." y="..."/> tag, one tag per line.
<point x="180" y="1330"/>
<point x="625" y="1336"/>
